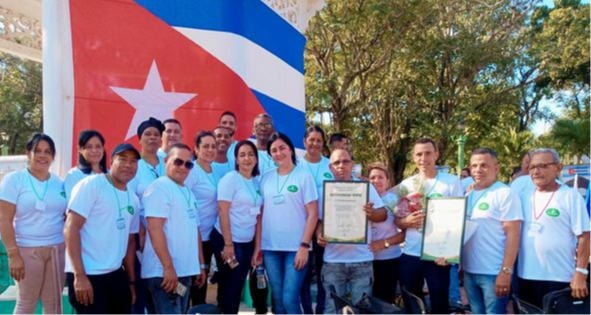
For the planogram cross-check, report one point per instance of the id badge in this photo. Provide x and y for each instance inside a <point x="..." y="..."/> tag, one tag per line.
<point x="191" y="213"/>
<point x="40" y="205"/>
<point x="278" y="199"/>
<point x="535" y="227"/>
<point x="121" y="223"/>
<point x="255" y="210"/>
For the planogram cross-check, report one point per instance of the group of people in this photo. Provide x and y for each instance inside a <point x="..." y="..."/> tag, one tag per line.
<point x="138" y="235"/>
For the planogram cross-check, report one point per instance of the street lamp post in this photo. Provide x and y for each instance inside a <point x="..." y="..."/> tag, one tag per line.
<point x="461" y="141"/>
<point x="4" y="146"/>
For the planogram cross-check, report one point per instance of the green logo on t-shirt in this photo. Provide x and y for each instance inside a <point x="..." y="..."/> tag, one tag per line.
<point x="130" y="210"/>
<point x="259" y="193"/>
<point x="435" y="195"/>
<point x="553" y="212"/>
<point x="327" y="175"/>
<point x="483" y="206"/>
<point x="63" y="194"/>
<point x="292" y="188"/>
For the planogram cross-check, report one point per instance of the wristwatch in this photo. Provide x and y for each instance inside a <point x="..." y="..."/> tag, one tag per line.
<point x="386" y="244"/>
<point x="204" y="266"/>
<point x="507" y="270"/>
<point x="582" y="270"/>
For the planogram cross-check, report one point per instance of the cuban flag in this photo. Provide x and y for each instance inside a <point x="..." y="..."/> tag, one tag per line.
<point x="112" y="64"/>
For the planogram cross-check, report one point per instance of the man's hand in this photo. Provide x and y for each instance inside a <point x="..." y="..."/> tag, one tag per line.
<point x="503" y="284"/>
<point x="83" y="290"/>
<point x="415" y="219"/>
<point x="170" y="280"/>
<point x="441" y="262"/>
<point x="579" y="286"/>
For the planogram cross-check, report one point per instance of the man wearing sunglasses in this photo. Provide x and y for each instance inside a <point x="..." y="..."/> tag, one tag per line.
<point x="555" y="220"/>
<point x="173" y="253"/>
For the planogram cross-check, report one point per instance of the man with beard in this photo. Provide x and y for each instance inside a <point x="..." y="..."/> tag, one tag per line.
<point x="228" y="120"/>
<point x="262" y="130"/>
<point x="222" y="164"/>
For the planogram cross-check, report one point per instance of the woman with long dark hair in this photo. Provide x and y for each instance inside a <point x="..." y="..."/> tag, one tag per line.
<point x="91" y="159"/>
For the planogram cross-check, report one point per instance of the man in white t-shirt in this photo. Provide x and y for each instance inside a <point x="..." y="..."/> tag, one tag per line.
<point x="349" y="267"/>
<point x="173" y="133"/>
<point x="489" y="255"/>
<point x="432" y="184"/>
<point x="103" y="216"/>
<point x="222" y="163"/>
<point x="555" y="221"/>
<point x="228" y="120"/>
<point x="173" y="252"/>
<point x="263" y="128"/>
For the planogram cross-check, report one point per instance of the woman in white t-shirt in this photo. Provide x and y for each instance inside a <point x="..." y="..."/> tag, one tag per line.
<point x="233" y="238"/>
<point x="32" y="207"/>
<point x="204" y="185"/>
<point x="319" y="167"/>
<point x="91" y="159"/>
<point x="385" y="238"/>
<point x="288" y="221"/>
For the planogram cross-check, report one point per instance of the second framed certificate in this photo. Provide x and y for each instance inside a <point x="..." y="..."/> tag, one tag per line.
<point x="443" y="232"/>
<point x="344" y="220"/>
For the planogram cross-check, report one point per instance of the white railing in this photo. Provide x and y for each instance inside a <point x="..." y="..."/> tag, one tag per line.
<point x="12" y="163"/>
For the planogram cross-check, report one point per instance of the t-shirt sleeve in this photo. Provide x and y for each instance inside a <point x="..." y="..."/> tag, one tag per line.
<point x="579" y="218"/>
<point x="456" y="188"/>
<point x="309" y="188"/>
<point x="10" y="188"/>
<point x="134" y="225"/>
<point x="156" y="202"/>
<point x="83" y="197"/>
<point x="375" y="198"/>
<point x="69" y="184"/>
<point x="227" y="187"/>
<point x="511" y="207"/>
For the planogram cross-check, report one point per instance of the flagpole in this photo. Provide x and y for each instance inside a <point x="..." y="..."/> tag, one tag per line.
<point x="58" y="85"/>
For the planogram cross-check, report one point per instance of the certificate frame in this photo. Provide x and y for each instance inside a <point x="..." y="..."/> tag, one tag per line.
<point x="444" y="228"/>
<point x="347" y="200"/>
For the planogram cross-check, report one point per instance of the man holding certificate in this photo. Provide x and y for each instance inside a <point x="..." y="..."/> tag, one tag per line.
<point x="489" y="255"/>
<point x="413" y="193"/>
<point x="348" y="205"/>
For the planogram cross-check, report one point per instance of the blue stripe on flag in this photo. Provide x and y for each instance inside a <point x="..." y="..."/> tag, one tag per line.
<point x="251" y="19"/>
<point x="286" y="119"/>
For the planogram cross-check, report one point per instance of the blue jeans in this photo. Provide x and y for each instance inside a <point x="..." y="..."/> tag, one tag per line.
<point x="356" y="276"/>
<point x="455" y="296"/>
<point x="480" y="290"/>
<point x="286" y="282"/>
<point x="168" y="303"/>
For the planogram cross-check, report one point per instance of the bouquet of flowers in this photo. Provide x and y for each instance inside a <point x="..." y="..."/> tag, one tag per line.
<point x="409" y="202"/>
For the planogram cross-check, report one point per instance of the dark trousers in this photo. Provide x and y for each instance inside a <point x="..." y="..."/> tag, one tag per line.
<point x="143" y="299"/>
<point x="318" y="252"/>
<point x="259" y="296"/>
<point x="111" y="293"/>
<point x="231" y="281"/>
<point x="198" y="294"/>
<point x="413" y="273"/>
<point x="386" y="273"/>
<point x="533" y="291"/>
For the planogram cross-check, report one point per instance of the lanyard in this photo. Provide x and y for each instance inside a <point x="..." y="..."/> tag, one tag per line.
<point x="117" y="196"/>
<point x="435" y="184"/>
<point x="285" y="182"/>
<point x="253" y="193"/>
<point x="538" y="216"/>
<point x="470" y="196"/>
<point x="35" y="190"/>
<point x="315" y="174"/>
<point x="187" y="196"/>
<point x="211" y="179"/>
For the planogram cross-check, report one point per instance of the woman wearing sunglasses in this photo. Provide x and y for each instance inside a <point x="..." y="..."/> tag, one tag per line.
<point x="91" y="159"/>
<point x="204" y="185"/>
<point x="233" y="237"/>
<point x="289" y="217"/>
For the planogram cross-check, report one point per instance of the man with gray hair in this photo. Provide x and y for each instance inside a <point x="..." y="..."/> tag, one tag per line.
<point x="555" y="220"/>
<point x="489" y="255"/>
<point x="263" y="128"/>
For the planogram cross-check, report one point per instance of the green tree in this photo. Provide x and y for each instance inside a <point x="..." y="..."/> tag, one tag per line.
<point x="21" y="111"/>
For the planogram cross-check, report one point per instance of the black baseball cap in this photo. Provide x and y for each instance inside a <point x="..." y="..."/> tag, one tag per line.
<point x="125" y="147"/>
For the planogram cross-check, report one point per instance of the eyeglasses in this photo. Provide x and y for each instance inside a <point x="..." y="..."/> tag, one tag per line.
<point x="341" y="162"/>
<point x="262" y="125"/>
<point x="541" y="166"/>
<point x="188" y="164"/>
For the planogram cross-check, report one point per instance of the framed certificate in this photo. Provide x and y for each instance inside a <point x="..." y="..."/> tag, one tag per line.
<point x="344" y="220"/>
<point x="443" y="231"/>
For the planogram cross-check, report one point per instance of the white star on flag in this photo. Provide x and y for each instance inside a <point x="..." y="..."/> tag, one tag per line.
<point x="152" y="101"/>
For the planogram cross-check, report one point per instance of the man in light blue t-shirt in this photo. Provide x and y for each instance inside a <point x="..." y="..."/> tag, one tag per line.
<point x="348" y="266"/>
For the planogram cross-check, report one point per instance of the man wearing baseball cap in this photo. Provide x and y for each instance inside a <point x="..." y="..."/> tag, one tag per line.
<point x="102" y="217"/>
